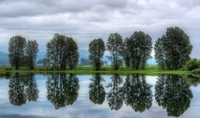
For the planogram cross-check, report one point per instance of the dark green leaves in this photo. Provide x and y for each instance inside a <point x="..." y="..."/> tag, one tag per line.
<point x="96" y="50"/>
<point x="16" y="50"/>
<point x="62" y="51"/>
<point x="172" y="50"/>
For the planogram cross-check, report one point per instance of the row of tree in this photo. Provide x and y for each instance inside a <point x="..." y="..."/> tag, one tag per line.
<point x="172" y="50"/>
<point x="20" y="49"/>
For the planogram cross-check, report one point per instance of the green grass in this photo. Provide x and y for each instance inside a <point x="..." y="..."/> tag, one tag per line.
<point x="149" y="70"/>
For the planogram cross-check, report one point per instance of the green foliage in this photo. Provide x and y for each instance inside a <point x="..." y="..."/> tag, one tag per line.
<point x="44" y="61"/>
<point x="72" y="53"/>
<point x="173" y="93"/>
<point x="115" y="47"/>
<point x="137" y="93"/>
<point x="96" y="50"/>
<point x="172" y="50"/>
<point x="137" y="50"/>
<point x="196" y="71"/>
<point x="24" y="61"/>
<point x="31" y="52"/>
<point x="96" y="90"/>
<point x="16" y="48"/>
<point x="62" y="51"/>
<point x="62" y="90"/>
<point x="192" y="64"/>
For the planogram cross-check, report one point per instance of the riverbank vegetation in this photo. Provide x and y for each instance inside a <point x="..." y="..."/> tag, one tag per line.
<point x="172" y="53"/>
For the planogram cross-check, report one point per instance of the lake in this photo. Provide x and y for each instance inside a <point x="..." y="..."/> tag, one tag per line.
<point x="60" y="95"/>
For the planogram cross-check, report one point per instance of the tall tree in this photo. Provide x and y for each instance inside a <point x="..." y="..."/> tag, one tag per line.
<point x="115" y="95"/>
<point x="115" y="47"/>
<point x="96" y="50"/>
<point x="72" y="53"/>
<point x="56" y="51"/>
<point x="16" y="50"/>
<point x="31" y="51"/>
<point x="138" y="47"/>
<point x="63" y="51"/>
<point x="32" y="90"/>
<point x="137" y="93"/>
<point x="176" y="48"/>
<point x="96" y="90"/>
<point x="160" y="53"/>
<point x="126" y="54"/>
<point x="173" y="93"/>
<point x="62" y="90"/>
<point x="17" y="95"/>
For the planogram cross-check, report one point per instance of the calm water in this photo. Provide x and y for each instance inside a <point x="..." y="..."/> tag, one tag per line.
<point x="99" y="96"/>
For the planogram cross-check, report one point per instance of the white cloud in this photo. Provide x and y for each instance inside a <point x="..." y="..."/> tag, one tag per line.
<point x="88" y="19"/>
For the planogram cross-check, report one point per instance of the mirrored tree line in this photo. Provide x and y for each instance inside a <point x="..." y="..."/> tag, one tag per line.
<point x="62" y="89"/>
<point x="22" y="88"/>
<point x="172" y="92"/>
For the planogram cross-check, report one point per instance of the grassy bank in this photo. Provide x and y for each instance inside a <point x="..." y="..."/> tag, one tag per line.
<point x="149" y="70"/>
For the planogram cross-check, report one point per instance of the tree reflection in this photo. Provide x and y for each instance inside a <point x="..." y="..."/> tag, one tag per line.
<point x="31" y="90"/>
<point x="192" y="80"/>
<point x="138" y="93"/>
<point x="62" y="90"/>
<point x="96" y="89"/>
<point x="17" y="94"/>
<point x="115" y="95"/>
<point x="173" y="94"/>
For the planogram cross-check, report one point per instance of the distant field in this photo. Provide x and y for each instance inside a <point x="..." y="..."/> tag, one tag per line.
<point x="149" y="70"/>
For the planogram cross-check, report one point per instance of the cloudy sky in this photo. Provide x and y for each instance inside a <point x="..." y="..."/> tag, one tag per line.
<point x="85" y="20"/>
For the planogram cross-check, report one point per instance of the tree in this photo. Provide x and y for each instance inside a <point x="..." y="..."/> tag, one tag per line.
<point x="160" y="53"/>
<point x="63" y="51"/>
<point x="31" y="51"/>
<point x="57" y="51"/>
<point x="137" y="93"/>
<point x="32" y="90"/>
<point x="138" y="48"/>
<point x="96" y="50"/>
<point x="96" y="90"/>
<point x="173" y="49"/>
<point x="17" y="95"/>
<point x="62" y="90"/>
<point x="126" y="54"/>
<point x="192" y="64"/>
<point x="44" y="61"/>
<point x="115" y="47"/>
<point x="115" y="95"/>
<point x="173" y="94"/>
<point x="72" y="53"/>
<point x="16" y="50"/>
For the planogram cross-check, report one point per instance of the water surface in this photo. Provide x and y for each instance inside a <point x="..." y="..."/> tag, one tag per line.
<point x="96" y="96"/>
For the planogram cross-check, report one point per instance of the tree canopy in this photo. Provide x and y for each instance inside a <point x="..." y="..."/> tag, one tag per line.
<point x="31" y="51"/>
<point x="96" y="50"/>
<point x="16" y="48"/>
<point x="115" y="47"/>
<point x="137" y="49"/>
<point x="173" y="49"/>
<point x="63" y="51"/>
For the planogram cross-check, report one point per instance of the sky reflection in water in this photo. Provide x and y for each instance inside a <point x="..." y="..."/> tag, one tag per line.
<point x="80" y="96"/>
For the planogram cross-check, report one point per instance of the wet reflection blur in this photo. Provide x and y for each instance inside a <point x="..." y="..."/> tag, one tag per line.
<point x="96" y="89"/>
<point x="115" y="95"/>
<point x="137" y="92"/>
<point x="173" y="94"/>
<point x="62" y="89"/>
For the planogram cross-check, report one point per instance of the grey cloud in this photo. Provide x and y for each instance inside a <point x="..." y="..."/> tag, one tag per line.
<point x="12" y="8"/>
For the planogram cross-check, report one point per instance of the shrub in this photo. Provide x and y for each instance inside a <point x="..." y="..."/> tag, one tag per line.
<point x="192" y="64"/>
